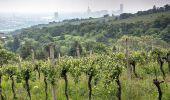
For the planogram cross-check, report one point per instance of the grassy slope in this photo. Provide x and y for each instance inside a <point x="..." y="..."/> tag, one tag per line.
<point x="109" y="20"/>
<point x="135" y="89"/>
<point x="146" y="18"/>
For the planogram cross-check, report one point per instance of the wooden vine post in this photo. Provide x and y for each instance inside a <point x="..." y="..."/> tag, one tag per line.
<point x="59" y="55"/>
<point x="78" y="52"/>
<point x="127" y="60"/>
<point x="19" y="64"/>
<point x="33" y="56"/>
<point x="168" y="60"/>
<point x="52" y="64"/>
<point x="33" y="63"/>
<point x="91" y="52"/>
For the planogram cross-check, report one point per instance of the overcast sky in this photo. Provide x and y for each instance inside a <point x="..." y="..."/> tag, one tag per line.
<point x="76" y="5"/>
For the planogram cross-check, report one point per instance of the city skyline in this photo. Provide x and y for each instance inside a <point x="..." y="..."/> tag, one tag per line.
<point x="69" y="6"/>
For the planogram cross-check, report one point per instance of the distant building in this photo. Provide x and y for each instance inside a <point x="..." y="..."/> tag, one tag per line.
<point x="2" y="36"/>
<point x="121" y="8"/>
<point x="89" y="10"/>
<point x="56" y="15"/>
<point x="100" y="13"/>
<point x="120" y="11"/>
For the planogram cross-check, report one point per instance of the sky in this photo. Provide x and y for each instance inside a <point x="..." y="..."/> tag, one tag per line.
<point x="43" y="6"/>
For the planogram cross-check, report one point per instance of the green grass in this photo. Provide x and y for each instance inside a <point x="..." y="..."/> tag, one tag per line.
<point x="135" y="89"/>
<point x="145" y="18"/>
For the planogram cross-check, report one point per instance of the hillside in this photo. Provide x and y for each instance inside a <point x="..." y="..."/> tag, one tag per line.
<point x="99" y="34"/>
<point x="124" y="57"/>
<point x="110" y="19"/>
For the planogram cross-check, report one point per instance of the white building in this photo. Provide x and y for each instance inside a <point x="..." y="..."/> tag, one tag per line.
<point x="56" y="15"/>
<point x="120" y="11"/>
<point x="2" y="36"/>
<point x="121" y="8"/>
<point x="89" y="10"/>
<point x="100" y="13"/>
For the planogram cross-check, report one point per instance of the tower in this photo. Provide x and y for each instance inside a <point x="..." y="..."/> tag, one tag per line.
<point x="121" y="8"/>
<point x="56" y="15"/>
<point x="88" y="10"/>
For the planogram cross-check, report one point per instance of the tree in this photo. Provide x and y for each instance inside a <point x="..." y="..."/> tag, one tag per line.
<point x="165" y="34"/>
<point x="167" y="7"/>
<point x="154" y="9"/>
<point x="25" y="48"/>
<point x="125" y="15"/>
<point x="162" y="22"/>
<point x="5" y="58"/>
<point x="100" y="48"/>
<point x="73" y="50"/>
<point x="16" y="44"/>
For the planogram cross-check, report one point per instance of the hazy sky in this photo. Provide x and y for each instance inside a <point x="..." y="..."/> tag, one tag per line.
<point x="76" y="5"/>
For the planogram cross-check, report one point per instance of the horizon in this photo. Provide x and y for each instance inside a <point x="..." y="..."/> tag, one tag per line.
<point x="76" y="6"/>
<point x="29" y="13"/>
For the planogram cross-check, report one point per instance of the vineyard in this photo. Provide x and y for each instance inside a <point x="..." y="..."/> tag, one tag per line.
<point x="111" y="76"/>
<point x="124" y="57"/>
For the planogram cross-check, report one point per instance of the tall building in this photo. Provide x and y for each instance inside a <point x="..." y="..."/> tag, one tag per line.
<point x="56" y="15"/>
<point x="121" y="8"/>
<point x="120" y="11"/>
<point x="89" y="10"/>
